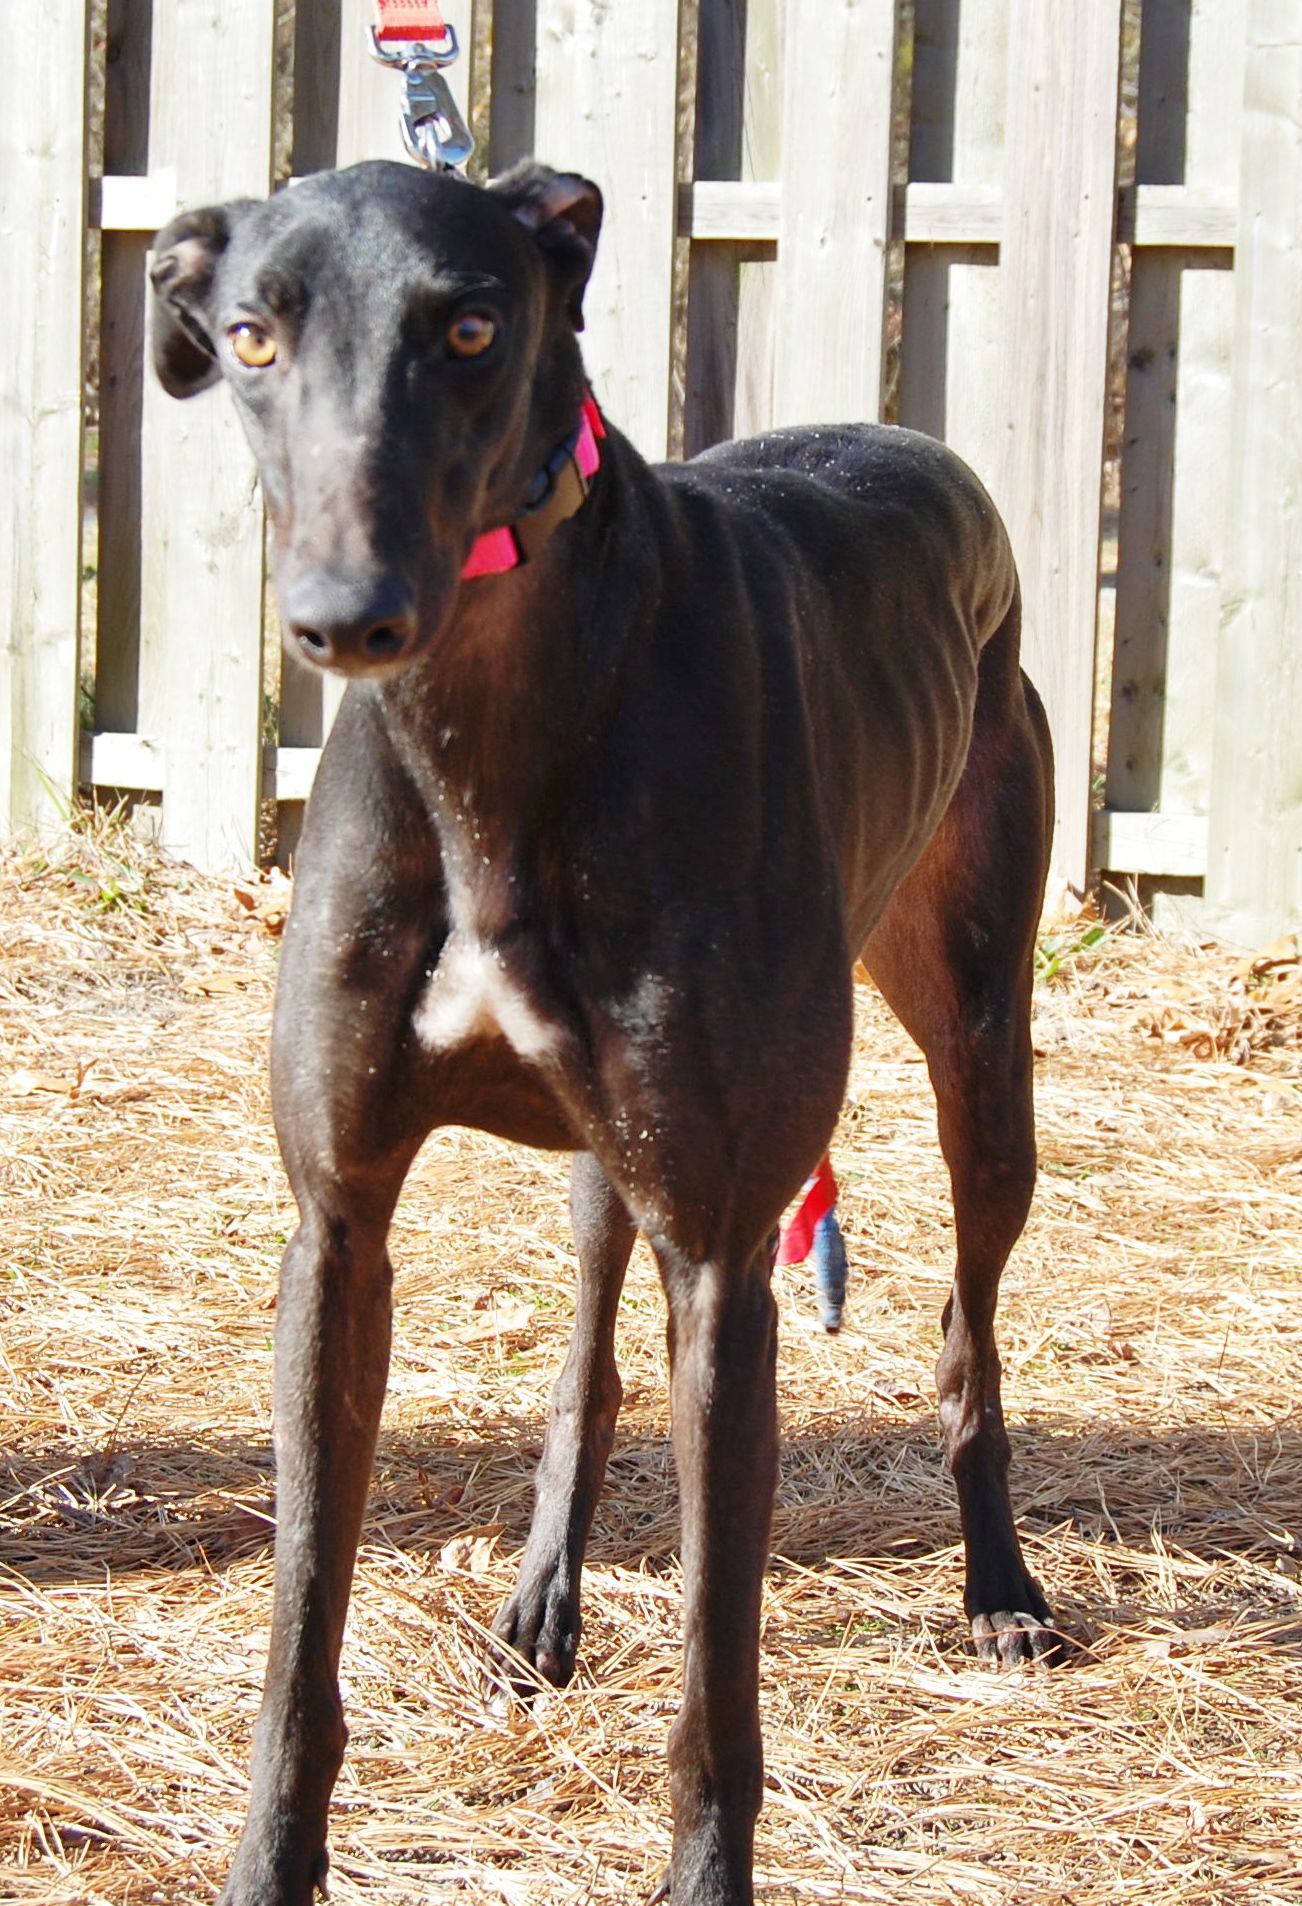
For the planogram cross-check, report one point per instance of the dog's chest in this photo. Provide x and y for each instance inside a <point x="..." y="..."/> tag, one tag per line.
<point x="473" y="995"/>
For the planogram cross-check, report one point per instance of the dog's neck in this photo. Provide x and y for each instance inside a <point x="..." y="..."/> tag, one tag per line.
<point x="525" y="653"/>
<point x="558" y="491"/>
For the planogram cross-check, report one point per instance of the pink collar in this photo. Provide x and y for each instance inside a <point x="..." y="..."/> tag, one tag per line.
<point x="560" y="487"/>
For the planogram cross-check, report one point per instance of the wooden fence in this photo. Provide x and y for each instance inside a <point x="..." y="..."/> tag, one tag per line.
<point x="817" y="209"/>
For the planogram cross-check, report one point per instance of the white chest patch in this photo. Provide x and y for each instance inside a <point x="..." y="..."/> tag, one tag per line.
<point x="471" y="996"/>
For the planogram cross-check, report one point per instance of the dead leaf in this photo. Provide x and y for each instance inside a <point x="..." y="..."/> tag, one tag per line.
<point x="1278" y="953"/>
<point x="265" y="898"/>
<point x="27" y="1083"/>
<point x="499" y="1319"/>
<point x="24" y="1084"/>
<point x="1176" y="1028"/>
<point x="228" y="979"/>
<point x="1199" y="1041"/>
<point x="472" y="1552"/>
<point x="888" y="1392"/>
<point x="1182" y="990"/>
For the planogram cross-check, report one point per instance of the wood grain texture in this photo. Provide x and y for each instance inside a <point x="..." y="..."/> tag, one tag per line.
<point x="605" y="106"/>
<point x="202" y="573"/>
<point x="132" y="205"/>
<point x="318" y="54"/>
<point x="1171" y="845"/>
<point x="710" y="375"/>
<point x="1175" y="215"/>
<point x="935" y="214"/>
<point x="829" y="345"/>
<point x="736" y="201"/>
<point x="1055" y="264"/>
<point x="1254" y="887"/>
<point x="42" y="215"/>
<point x="1175" y="459"/>
<point x="741" y="210"/>
<point x="758" y="276"/>
<point x="370" y="95"/>
<point x="931" y="213"/>
<point x="953" y="220"/>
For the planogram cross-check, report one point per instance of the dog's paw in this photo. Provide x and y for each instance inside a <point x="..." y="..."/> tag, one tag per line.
<point x="1012" y="1638"/>
<point x="540" y="1641"/>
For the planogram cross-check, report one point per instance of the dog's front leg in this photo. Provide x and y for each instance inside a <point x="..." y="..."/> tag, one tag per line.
<point x="541" y="1620"/>
<point x="723" y="1349"/>
<point x="332" y="1353"/>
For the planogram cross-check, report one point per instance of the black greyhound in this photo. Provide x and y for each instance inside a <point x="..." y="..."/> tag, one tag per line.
<point x="633" y="764"/>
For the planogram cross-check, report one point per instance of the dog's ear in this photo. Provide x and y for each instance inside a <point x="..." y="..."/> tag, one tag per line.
<point x="563" y="211"/>
<point x="186" y="255"/>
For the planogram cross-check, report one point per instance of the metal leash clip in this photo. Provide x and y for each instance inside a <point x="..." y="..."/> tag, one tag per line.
<point x="433" y="130"/>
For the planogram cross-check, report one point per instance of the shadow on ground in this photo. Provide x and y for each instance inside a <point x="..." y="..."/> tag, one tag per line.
<point x="847" y="1494"/>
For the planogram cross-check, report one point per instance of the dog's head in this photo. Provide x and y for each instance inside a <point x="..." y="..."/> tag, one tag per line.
<point x="400" y="345"/>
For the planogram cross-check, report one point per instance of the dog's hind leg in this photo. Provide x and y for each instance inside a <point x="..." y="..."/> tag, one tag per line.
<point x="541" y="1620"/>
<point x="954" y="957"/>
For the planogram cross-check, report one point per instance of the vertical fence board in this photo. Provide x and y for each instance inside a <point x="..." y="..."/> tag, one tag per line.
<point x="1255" y="844"/>
<point x="829" y="353"/>
<point x="514" y="74"/>
<point x="606" y="105"/>
<point x="729" y="380"/>
<point x="370" y="95"/>
<point x="1055" y="266"/>
<point x="121" y="390"/>
<point x="201" y="650"/>
<point x="42" y="318"/>
<point x="711" y="370"/>
<point x="949" y="360"/>
<point x="309" y="700"/>
<point x="1175" y="462"/>
<point x="757" y="271"/>
<point x="317" y="80"/>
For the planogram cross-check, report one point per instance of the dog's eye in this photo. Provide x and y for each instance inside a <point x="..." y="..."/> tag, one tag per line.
<point x="471" y="335"/>
<point x="252" y="345"/>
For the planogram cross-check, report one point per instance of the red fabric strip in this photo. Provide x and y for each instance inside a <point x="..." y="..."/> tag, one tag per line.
<point x="816" y="1200"/>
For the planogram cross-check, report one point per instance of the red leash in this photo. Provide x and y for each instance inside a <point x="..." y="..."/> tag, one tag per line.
<point x="400" y="22"/>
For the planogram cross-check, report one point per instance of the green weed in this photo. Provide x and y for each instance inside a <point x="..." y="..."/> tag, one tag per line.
<point x="1058" y="952"/>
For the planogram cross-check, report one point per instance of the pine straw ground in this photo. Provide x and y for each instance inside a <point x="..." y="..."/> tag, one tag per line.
<point x="1151" y="1326"/>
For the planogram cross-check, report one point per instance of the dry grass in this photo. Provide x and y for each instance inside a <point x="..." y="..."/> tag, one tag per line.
<point x="1151" y="1331"/>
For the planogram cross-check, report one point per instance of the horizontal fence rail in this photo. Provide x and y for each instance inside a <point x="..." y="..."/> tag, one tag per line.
<point x="1005" y="225"/>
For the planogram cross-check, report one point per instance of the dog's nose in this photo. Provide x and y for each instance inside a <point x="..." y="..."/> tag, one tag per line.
<point x="356" y="625"/>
